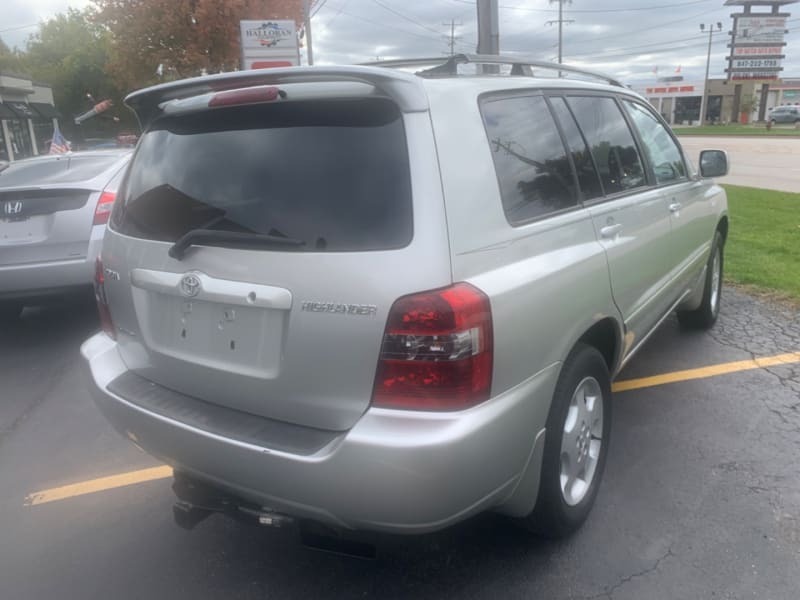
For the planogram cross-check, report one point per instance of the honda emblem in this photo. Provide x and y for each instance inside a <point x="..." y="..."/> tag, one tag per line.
<point x="12" y="207"/>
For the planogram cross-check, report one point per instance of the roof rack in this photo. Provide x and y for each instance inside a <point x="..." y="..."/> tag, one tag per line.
<point x="520" y="65"/>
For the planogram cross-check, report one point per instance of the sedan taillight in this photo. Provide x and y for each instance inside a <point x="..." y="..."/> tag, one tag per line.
<point x="104" y="206"/>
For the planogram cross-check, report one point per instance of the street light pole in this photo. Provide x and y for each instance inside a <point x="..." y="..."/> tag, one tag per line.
<point x="704" y="101"/>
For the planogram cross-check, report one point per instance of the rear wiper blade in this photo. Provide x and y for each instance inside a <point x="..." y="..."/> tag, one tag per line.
<point x="212" y="237"/>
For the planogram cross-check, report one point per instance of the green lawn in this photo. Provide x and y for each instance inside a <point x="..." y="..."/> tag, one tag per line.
<point x="763" y="248"/>
<point x="758" y="129"/>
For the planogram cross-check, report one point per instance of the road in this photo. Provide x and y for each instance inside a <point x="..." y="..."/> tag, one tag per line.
<point x="701" y="497"/>
<point x="761" y="162"/>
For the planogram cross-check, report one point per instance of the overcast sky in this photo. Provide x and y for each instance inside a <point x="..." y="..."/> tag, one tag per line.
<point x="625" y="38"/>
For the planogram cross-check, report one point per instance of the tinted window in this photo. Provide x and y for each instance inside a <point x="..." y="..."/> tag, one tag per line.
<point x="64" y="169"/>
<point x="532" y="166"/>
<point x="661" y="150"/>
<point x="611" y="142"/>
<point x="581" y="157"/>
<point x="333" y="174"/>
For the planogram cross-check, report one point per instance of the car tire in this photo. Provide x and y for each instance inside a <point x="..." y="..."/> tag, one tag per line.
<point x="10" y="311"/>
<point x="576" y="445"/>
<point x="706" y="314"/>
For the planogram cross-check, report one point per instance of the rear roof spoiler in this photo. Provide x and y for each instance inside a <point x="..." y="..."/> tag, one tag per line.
<point x="404" y="88"/>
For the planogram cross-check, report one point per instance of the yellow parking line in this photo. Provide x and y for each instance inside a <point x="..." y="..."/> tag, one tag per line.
<point x="710" y="371"/>
<point x="98" y="485"/>
<point x="163" y="472"/>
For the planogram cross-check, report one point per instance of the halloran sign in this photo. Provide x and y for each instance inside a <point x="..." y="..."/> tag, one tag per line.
<point x="269" y="44"/>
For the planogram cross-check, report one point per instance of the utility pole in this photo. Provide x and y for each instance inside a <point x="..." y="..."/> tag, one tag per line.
<point x="307" y="27"/>
<point x="453" y="38"/>
<point x="488" y="32"/>
<point x="488" y="27"/>
<point x="560" y="22"/>
<point x="704" y="101"/>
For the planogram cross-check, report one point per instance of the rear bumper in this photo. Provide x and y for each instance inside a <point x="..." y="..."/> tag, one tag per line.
<point x="31" y="281"/>
<point x="395" y="471"/>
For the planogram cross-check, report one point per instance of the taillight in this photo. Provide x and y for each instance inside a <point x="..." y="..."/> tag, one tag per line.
<point x="104" y="206"/>
<point x="102" y="300"/>
<point x="437" y="351"/>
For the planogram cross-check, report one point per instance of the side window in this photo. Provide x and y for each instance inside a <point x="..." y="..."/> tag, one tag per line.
<point x="611" y="142"/>
<point x="532" y="166"/>
<point x="588" y="179"/>
<point x="664" y="155"/>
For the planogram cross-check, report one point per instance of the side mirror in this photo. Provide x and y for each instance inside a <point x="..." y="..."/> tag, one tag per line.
<point x="713" y="163"/>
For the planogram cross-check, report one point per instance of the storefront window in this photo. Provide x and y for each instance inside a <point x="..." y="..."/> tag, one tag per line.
<point x="3" y="151"/>
<point x="19" y="138"/>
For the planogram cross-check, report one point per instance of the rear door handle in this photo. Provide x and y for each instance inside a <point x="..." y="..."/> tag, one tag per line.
<point x="609" y="231"/>
<point x="674" y="207"/>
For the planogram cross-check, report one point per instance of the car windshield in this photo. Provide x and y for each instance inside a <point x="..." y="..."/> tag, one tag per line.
<point x="64" y="169"/>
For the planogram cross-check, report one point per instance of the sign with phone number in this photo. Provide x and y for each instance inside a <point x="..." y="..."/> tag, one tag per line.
<point x="755" y="63"/>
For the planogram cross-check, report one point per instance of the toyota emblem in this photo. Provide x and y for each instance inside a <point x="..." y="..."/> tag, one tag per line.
<point x="190" y="285"/>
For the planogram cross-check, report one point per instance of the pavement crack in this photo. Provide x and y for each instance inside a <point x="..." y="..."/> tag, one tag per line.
<point x="609" y="592"/>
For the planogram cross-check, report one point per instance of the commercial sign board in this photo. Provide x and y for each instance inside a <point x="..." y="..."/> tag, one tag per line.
<point x="758" y="51"/>
<point x="755" y="63"/>
<point x="269" y="43"/>
<point x="754" y="75"/>
<point x="757" y="47"/>
<point x="760" y="30"/>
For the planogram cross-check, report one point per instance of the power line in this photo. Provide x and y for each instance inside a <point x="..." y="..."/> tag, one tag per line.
<point x="640" y="29"/>
<point x="19" y="27"/>
<point x="592" y="10"/>
<point x="405" y="31"/>
<point x="407" y="18"/>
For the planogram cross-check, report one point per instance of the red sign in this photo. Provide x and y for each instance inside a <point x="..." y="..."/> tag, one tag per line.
<point x="270" y="64"/>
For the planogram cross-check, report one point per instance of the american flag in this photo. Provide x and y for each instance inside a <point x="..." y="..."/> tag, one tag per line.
<point x="59" y="145"/>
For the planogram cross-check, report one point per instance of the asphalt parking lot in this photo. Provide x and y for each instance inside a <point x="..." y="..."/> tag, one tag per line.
<point x="701" y="496"/>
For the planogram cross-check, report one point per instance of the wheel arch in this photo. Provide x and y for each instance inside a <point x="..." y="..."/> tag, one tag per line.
<point x="722" y="227"/>
<point x="606" y="336"/>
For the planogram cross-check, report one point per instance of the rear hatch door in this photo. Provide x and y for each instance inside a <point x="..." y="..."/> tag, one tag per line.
<point x="312" y="222"/>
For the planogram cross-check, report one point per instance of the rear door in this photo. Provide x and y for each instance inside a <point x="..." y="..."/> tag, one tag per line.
<point x="47" y="207"/>
<point x="290" y="329"/>
<point x="631" y="219"/>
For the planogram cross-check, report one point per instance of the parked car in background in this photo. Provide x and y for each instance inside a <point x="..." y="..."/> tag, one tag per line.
<point x="53" y="214"/>
<point x="390" y="301"/>
<point x="785" y="114"/>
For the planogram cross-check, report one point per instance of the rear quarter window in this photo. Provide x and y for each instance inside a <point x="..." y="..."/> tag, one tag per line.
<point x="533" y="168"/>
<point x="334" y="174"/>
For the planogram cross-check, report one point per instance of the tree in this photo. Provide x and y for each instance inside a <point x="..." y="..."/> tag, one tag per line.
<point x="154" y="39"/>
<point x="69" y="52"/>
<point x="9" y="59"/>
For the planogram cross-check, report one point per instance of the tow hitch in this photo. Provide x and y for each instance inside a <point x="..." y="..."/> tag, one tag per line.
<point x="197" y="501"/>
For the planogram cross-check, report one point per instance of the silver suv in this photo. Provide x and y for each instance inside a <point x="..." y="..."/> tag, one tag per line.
<point x="387" y="300"/>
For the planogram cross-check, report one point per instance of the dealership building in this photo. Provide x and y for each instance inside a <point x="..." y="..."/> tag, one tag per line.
<point x="679" y="101"/>
<point x="27" y="117"/>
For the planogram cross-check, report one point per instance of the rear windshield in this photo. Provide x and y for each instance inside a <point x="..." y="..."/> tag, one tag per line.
<point x="333" y="174"/>
<point x="64" y="169"/>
